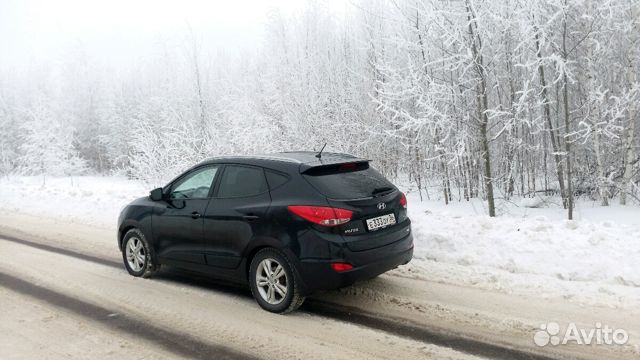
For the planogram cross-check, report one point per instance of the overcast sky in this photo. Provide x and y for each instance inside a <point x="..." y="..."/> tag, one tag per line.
<point x="121" y="30"/>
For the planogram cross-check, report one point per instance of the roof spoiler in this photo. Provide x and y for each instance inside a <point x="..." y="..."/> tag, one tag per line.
<point x="333" y="167"/>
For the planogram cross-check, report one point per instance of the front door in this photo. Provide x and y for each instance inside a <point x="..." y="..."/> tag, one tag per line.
<point x="178" y="227"/>
<point x="235" y="214"/>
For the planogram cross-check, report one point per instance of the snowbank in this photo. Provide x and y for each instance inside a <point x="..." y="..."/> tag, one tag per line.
<point x="532" y="251"/>
<point x="535" y="250"/>
<point x="92" y="200"/>
<point x="568" y="250"/>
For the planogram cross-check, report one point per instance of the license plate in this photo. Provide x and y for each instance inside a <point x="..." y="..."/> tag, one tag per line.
<point x="381" y="222"/>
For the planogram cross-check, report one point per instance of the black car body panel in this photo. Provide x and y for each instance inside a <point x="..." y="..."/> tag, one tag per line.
<point x="136" y="215"/>
<point x="176" y="234"/>
<point x="231" y="224"/>
<point x="217" y="230"/>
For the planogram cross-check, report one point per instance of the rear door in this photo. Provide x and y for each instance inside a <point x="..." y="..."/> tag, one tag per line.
<point x="379" y="218"/>
<point x="235" y="214"/>
<point x="178" y="226"/>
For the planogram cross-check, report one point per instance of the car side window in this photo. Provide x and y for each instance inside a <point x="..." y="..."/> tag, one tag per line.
<point x="195" y="185"/>
<point x="241" y="181"/>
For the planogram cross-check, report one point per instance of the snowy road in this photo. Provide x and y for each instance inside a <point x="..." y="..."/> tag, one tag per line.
<point x="168" y="317"/>
<point x="68" y="295"/>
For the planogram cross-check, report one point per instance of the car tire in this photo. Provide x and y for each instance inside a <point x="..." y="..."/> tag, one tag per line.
<point x="137" y="255"/>
<point x="268" y="289"/>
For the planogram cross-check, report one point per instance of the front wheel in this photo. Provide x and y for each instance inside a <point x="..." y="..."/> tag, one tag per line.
<point x="138" y="255"/>
<point x="274" y="282"/>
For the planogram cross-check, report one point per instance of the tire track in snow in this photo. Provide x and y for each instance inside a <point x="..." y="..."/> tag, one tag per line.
<point x="177" y="343"/>
<point x="405" y="329"/>
<point x="322" y="308"/>
<point x="370" y="320"/>
<point x="63" y="251"/>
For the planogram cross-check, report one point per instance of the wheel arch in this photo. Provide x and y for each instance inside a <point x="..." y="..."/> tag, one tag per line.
<point x="264" y="243"/>
<point x="123" y="230"/>
<point x="138" y="217"/>
<point x="131" y="224"/>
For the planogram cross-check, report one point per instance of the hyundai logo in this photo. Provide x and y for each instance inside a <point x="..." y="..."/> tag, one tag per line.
<point x="382" y="206"/>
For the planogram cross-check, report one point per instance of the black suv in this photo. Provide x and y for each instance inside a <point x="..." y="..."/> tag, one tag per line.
<point x="288" y="223"/>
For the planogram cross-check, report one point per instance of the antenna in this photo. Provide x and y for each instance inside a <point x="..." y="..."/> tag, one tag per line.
<point x="319" y="155"/>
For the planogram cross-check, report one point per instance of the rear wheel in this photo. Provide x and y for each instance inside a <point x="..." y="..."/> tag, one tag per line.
<point x="274" y="282"/>
<point x="137" y="255"/>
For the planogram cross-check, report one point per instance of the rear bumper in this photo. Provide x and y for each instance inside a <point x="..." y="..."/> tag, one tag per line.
<point x="318" y="274"/>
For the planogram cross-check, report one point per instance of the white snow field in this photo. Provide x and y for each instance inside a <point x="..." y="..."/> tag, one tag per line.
<point x="528" y="251"/>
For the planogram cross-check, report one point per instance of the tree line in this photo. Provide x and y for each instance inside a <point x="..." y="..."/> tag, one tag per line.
<point x="465" y="98"/>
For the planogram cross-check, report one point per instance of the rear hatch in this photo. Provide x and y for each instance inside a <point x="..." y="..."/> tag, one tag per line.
<point x="379" y="218"/>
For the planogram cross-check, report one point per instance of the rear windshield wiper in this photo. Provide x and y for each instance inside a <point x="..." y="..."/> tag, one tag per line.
<point x="381" y="190"/>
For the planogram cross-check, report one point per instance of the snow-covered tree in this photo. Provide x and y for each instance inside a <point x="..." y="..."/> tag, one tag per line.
<point x="47" y="144"/>
<point x="470" y="98"/>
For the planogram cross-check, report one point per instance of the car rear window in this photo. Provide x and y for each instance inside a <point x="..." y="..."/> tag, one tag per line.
<point x="348" y="181"/>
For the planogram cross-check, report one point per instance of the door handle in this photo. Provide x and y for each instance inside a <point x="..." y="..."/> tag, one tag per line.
<point x="195" y="215"/>
<point x="251" y="217"/>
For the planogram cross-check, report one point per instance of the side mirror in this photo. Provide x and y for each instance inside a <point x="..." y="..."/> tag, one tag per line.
<point x="156" y="194"/>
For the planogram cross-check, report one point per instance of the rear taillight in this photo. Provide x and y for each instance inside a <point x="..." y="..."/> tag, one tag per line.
<point x="322" y="215"/>
<point x="340" y="267"/>
<point x="403" y="200"/>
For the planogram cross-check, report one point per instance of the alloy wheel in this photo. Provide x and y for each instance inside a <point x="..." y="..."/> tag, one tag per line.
<point x="271" y="281"/>
<point x="136" y="256"/>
